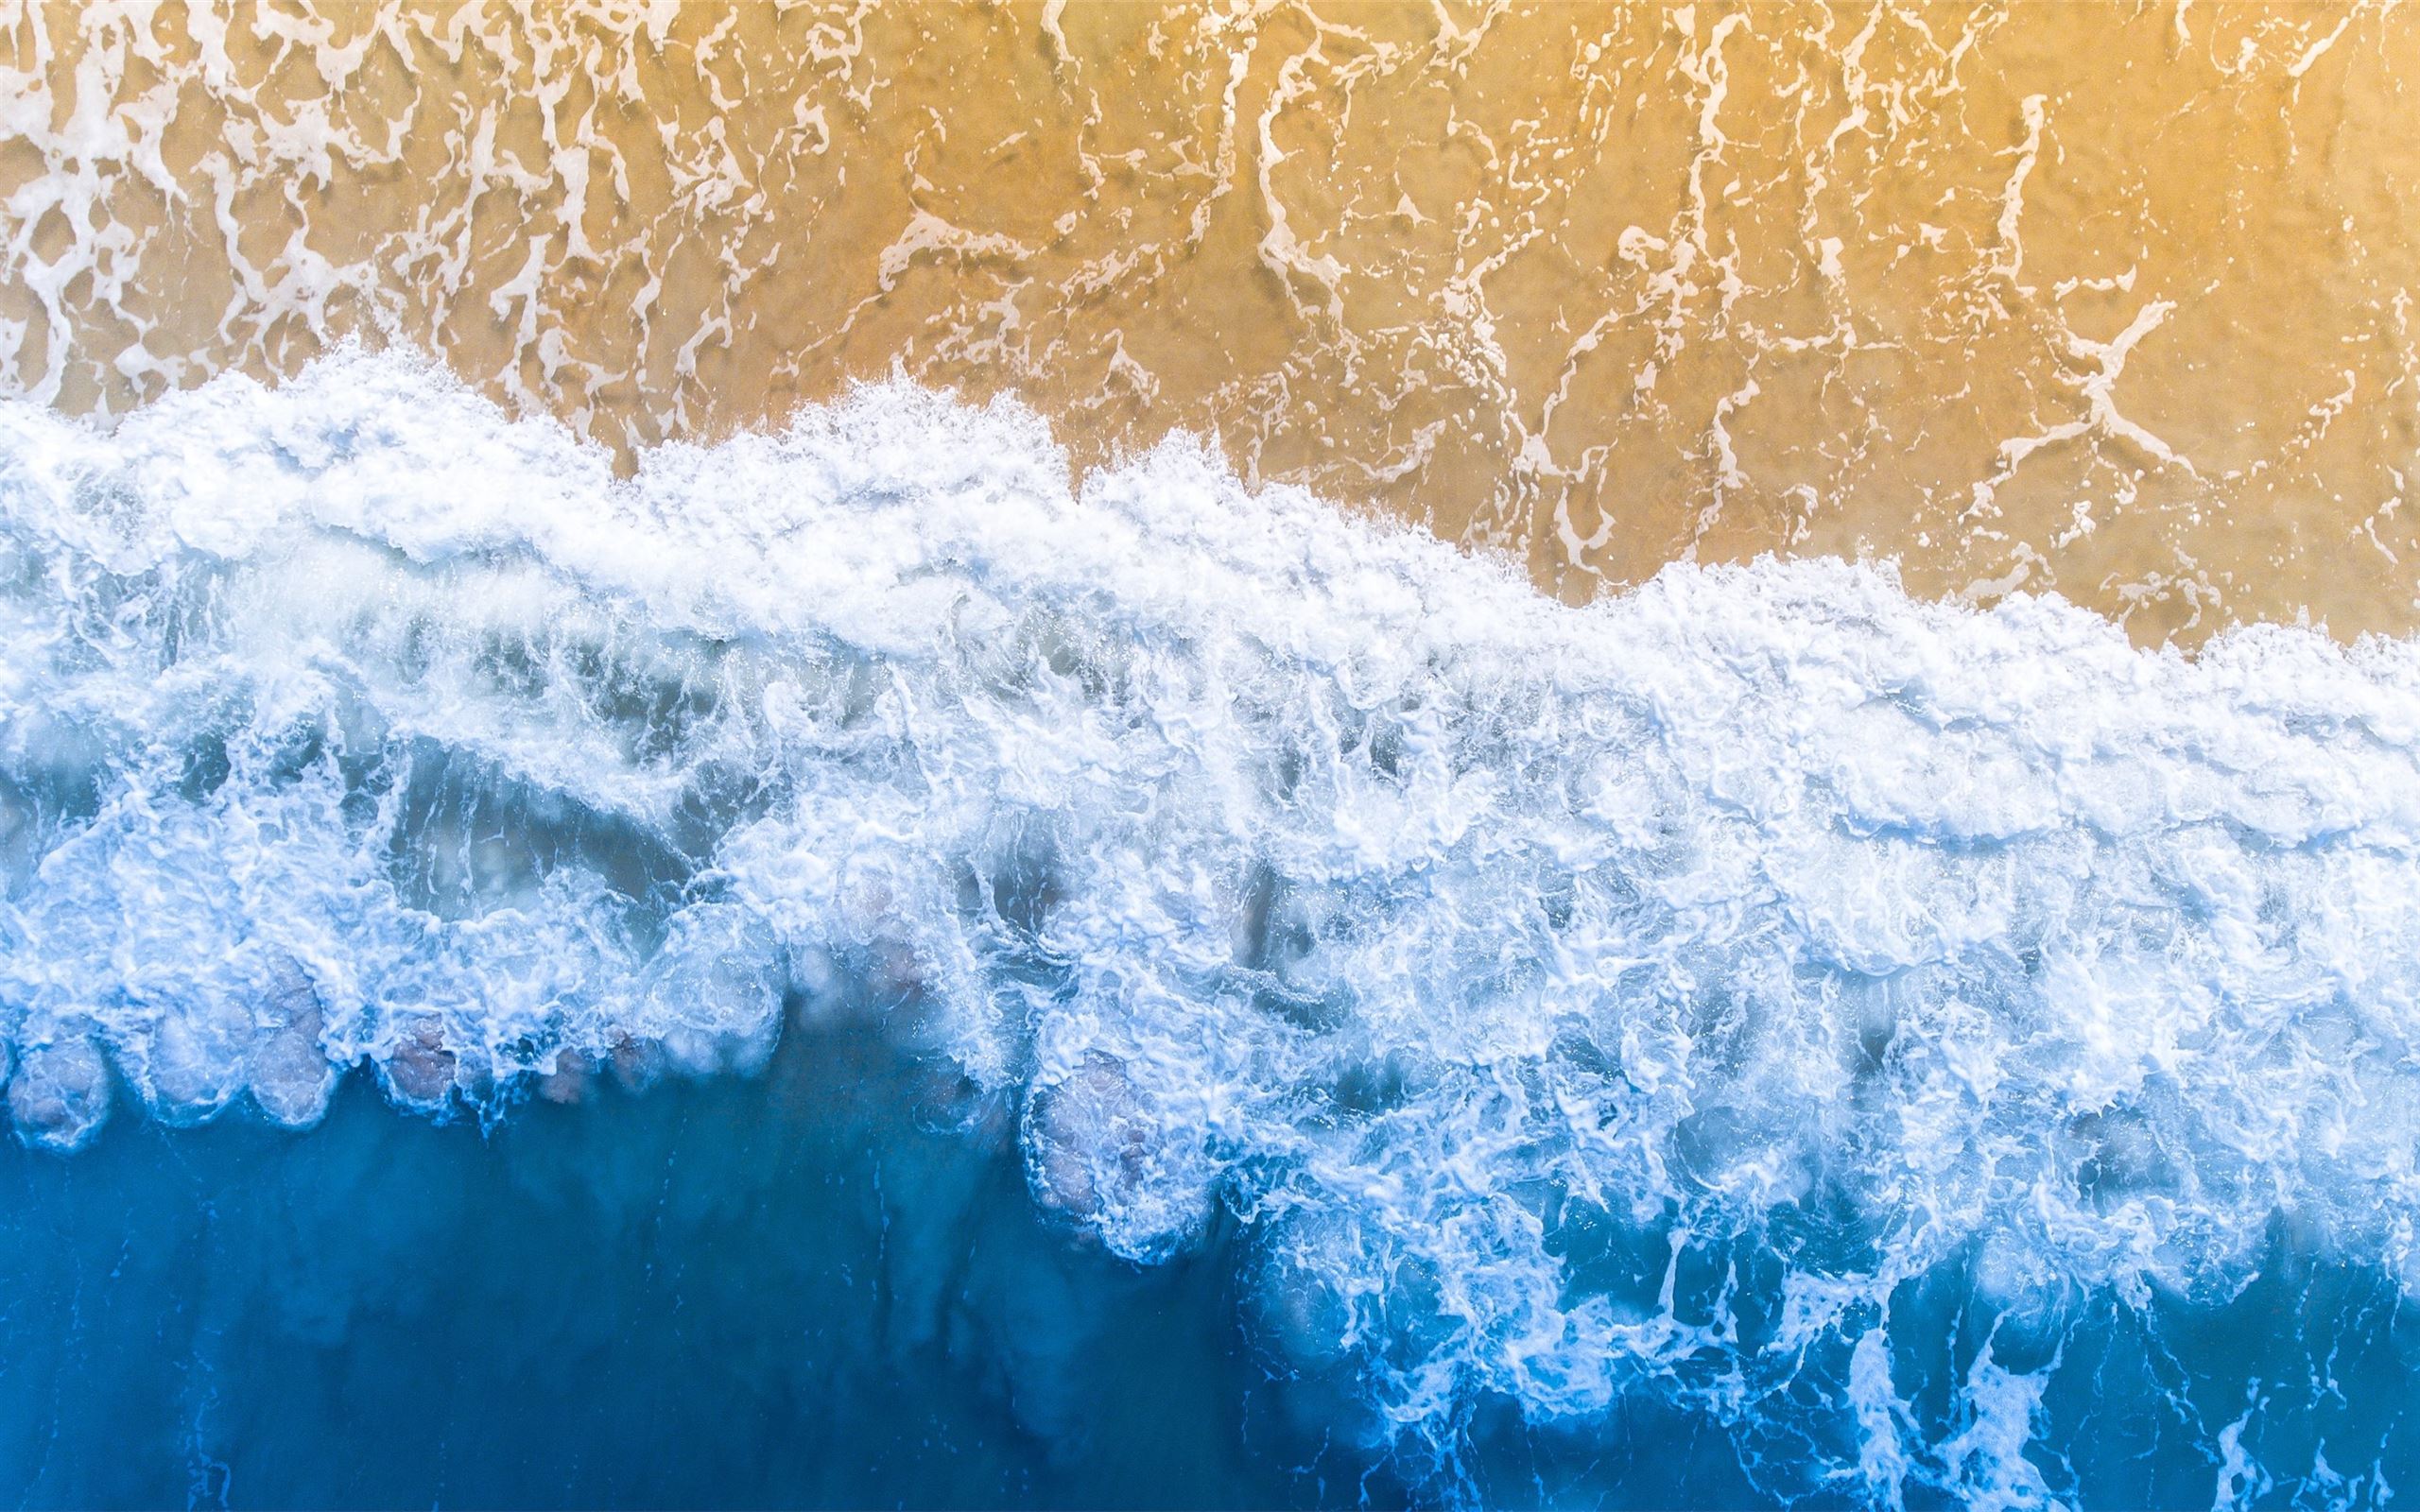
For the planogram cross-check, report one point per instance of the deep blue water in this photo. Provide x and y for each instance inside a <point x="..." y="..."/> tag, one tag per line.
<point x="814" y="1289"/>
<point x="819" y="1289"/>
<point x="778" y="1291"/>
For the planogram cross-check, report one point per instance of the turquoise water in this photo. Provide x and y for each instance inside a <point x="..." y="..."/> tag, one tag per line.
<point x="845" y="969"/>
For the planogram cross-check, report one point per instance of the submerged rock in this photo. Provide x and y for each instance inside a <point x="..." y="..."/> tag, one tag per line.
<point x="569" y="1081"/>
<point x="637" y="1062"/>
<point x="190" y="1064"/>
<point x="713" y="998"/>
<point x="420" y="1070"/>
<point x="292" y="1078"/>
<point x="60" y="1093"/>
<point x="1097" y="1152"/>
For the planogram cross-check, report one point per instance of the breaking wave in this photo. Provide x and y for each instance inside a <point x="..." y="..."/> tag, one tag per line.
<point x="1670" y="996"/>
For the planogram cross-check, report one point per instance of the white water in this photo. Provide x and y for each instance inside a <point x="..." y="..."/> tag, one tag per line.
<point x="1251" y="854"/>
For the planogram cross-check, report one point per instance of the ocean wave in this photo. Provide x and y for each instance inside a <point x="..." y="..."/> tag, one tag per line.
<point x="1654" y="996"/>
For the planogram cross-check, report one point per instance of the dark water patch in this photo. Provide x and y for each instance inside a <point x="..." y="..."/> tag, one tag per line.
<point x="472" y="836"/>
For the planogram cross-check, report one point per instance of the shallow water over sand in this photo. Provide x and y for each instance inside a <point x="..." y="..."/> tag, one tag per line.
<point x="2110" y="299"/>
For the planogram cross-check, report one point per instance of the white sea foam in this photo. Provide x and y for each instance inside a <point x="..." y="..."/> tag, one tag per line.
<point x="1493" y="961"/>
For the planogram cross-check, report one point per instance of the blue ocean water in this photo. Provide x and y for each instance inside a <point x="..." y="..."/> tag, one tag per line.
<point x="785" y="1291"/>
<point x="805" y="1290"/>
<point x="795" y="1291"/>
<point x="844" y="970"/>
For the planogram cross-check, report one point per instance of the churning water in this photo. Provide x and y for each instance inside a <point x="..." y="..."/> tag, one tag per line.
<point x="933" y="984"/>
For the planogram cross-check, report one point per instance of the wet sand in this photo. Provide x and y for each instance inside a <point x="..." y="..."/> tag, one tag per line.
<point x="2107" y="299"/>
